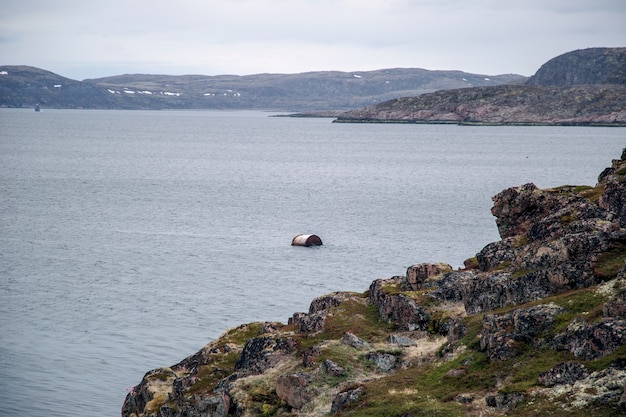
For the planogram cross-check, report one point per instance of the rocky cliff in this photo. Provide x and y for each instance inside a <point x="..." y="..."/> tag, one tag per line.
<point x="584" y="87"/>
<point x="534" y="324"/>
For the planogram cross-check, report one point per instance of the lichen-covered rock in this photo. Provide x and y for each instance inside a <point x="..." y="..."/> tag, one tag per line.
<point x="501" y="332"/>
<point x="399" y="309"/>
<point x="383" y="360"/>
<point x="400" y="340"/>
<point x="482" y="292"/>
<point x="343" y="399"/>
<point x="354" y="341"/>
<point x="613" y="199"/>
<point x="563" y="373"/>
<point x="333" y="369"/>
<point x="601" y="387"/>
<point x="261" y="353"/>
<point x="417" y="274"/>
<point x="592" y="341"/>
<point x="503" y="401"/>
<point x="614" y="309"/>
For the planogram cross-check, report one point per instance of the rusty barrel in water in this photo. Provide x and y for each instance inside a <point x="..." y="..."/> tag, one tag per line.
<point x="306" y="240"/>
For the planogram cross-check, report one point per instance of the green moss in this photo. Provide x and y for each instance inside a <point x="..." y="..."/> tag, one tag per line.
<point x="593" y="194"/>
<point x="391" y="288"/>
<point x="164" y="375"/>
<point x="522" y="273"/>
<point x="502" y="266"/>
<point x="210" y="375"/>
<point x="521" y="241"/>
<point x="569" y="218"/>
<point x="471" y="263"/>
<point x="405" y="393"/>
<point x="430" y="390"/>
<point x="610" y="263"/>
<point x="557" y="407"/>
<point x="240" y="335"/>
<point x="262" y="399"/>
<point x="359" y="318"/>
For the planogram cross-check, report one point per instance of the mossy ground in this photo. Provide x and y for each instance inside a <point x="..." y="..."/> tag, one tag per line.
<point x="421" y="388"/>
<point x="431" y="390"/>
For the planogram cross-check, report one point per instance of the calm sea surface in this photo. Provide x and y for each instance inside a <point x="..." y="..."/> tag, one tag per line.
<point x="130" y="239"/>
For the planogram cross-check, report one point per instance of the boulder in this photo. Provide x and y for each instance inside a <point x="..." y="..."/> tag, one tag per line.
<point x="417" y="274"/>
<point x="503" y="401"/>
<point x="383" y="360"/>
<point x="400" y="340"/>
<point x="614" y="309"/>
<point x="345" y="398"/>
<point x="292" y="389"/>
<point x="592" y="341"/>
<point x="354" y="341"/>
<point x="399" y="309"/>
<point x="333" y="369"/>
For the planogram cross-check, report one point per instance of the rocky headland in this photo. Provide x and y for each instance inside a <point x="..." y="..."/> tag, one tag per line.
<point x="584" y="87"/>
<point x="534" y="324"/>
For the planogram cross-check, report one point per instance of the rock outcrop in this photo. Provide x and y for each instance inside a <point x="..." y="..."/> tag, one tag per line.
<point x="535" y="324"/>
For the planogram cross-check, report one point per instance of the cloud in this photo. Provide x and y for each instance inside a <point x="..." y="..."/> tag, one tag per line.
<point x="88" y="39"/>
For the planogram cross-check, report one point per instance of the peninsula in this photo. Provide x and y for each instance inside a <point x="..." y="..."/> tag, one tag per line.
<point x="534" y="324"/>
<point x="582" y="88"/>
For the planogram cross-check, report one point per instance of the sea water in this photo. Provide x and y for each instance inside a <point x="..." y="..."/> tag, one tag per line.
<point x="130" y="239"/>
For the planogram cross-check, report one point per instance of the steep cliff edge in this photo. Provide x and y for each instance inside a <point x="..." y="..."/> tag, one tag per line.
<point x="535" y="324"/>
<point x="584" y="87"/>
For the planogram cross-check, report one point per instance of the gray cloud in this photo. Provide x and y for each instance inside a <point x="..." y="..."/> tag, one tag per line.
<point x="89" y="39"/>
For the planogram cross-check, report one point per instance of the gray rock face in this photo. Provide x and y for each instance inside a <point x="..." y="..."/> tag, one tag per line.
<point x="354" y="341"/>
<point x="564" y="373"/>
<point x="398" y="308"/>
<point x="592" y="341"/>
<point x="417" y="275"/>
<point x="615" y="309"/>
<point x="501" y="332"/>
<point x="261" y="353"/>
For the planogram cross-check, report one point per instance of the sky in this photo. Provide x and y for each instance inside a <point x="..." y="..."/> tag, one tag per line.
<point x="82" y="39"/>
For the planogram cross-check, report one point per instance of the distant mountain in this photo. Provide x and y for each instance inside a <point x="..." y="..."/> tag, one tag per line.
<point x="584" y="87"/>
<point x="22" y="86"/>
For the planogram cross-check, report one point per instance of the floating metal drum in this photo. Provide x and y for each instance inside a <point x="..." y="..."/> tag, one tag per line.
<point x="306" y="240"/>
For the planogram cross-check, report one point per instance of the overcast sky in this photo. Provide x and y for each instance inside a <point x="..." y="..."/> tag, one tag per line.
<point x="93" y="38"/>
